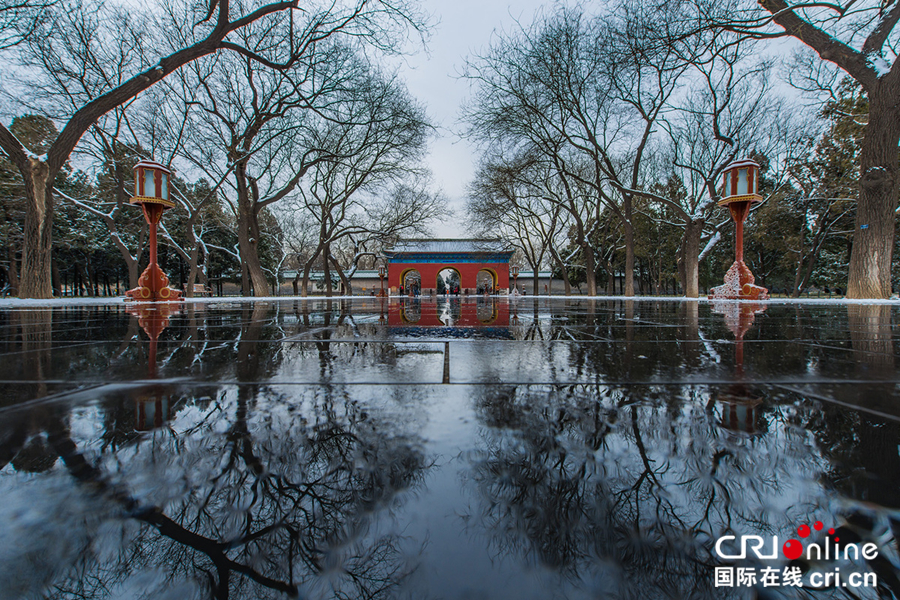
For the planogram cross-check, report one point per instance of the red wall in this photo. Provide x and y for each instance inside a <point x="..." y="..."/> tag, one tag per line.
<point x="467" y="273"/>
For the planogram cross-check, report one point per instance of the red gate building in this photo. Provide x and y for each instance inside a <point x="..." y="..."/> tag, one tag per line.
<point x="478" y="263"/>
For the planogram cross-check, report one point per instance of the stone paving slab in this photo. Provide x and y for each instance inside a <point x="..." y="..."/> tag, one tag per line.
<point x="544" y="448"/>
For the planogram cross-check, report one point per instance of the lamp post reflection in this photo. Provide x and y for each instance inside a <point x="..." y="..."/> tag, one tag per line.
<point x="740" y="405"/>
<point x="152" y="403"/>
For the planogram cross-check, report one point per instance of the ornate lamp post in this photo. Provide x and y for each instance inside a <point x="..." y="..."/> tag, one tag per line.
<point x="151" y="193"/>
<point x="741" y="191"/>
<point x="514" y="271"/>
<point x="382" y="271"/>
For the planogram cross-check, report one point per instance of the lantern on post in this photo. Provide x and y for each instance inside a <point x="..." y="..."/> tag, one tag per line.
<point x="151" y="193"/>
<point x="514" y="271"/>
<point x="382" y="271"/>
<point x="741" y="181"/>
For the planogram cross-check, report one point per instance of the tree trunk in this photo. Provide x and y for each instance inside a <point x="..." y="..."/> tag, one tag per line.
<point x="562" y="269"/>
<point x="629" y="249"/>
<point x="55" y="279"/>
<point x="348" y="287"/>
<point x="192" y="276"/>
<point x="86" y="279"/>
<point x="590" y="268"/>
<point x="689" y="267"/>
<point x="195" y="272"/>
<point x="304" y="288"/>
<point x="248" y="237"/>
<point x="798" y="275"/>
<point x="12" y="273"/>
<point x="304" y="284"/>
<point x="802" y="277"/>
<point x="873" y="239"/>
<point x="92" y="278"/>
<point x="326" y="272"/>
<point x="661" y="286"/>
<point x="36" y="281"/>
<point x="132" y="262"/>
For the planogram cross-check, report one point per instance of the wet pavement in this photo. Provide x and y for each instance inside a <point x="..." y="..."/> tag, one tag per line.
<point x="457" y="449"/>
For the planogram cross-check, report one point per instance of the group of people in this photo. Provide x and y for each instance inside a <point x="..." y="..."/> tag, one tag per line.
<point x="413" y="290"/>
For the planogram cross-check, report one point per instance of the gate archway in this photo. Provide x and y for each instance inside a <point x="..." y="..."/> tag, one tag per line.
<point x="448" y="281"/>
<point x="468" y="258"/>
<point x="411" y="280"/>
<point x="486" y="281"/>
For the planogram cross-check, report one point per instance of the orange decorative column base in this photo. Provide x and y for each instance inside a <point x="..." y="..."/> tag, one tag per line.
<point x="153" y="287"/>
<point x="739" y="285"/>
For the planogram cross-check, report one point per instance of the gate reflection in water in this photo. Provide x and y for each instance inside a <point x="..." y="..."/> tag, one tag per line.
<point x="450" y="316"/>
<point x="582" y="449"/>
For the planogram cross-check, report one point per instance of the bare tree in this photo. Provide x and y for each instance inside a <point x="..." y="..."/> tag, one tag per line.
<point x="860" y="38"/>
<point x="585" y="92"/>
<point x="506" y="200"/>
<point x="729" y="112"/>
<point x="19" y="19"/>
<point x="521" y="108"/>
<point x="259" y="129"/>
<point x="63" y="46"/>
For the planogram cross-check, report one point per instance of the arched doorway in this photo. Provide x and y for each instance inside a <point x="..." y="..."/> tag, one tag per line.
<point x="485" y="282"/>
<point x="448" y="282"/>
<point x="411" y="280"/>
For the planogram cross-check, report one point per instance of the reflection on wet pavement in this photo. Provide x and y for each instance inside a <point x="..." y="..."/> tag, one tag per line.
<point x="443" y="448"/>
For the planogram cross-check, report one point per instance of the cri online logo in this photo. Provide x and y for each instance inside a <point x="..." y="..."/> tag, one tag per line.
<point x="793" y="549"/>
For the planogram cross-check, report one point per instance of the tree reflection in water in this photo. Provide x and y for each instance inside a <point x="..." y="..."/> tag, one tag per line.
<point x="262" y="488"/>
<point x="253" y="495"/>
<point x="625" y="490"/>
<point x="250" y="491"/>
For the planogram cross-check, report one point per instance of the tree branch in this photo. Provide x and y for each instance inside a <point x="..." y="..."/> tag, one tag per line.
<point x="828" y="47"/>
<point x="879" y="35"/>
<point x="13" y="148"/>
<point x="88" y="114"/>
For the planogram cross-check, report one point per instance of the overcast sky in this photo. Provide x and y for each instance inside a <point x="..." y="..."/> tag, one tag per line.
<point x="465" y="27"/>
